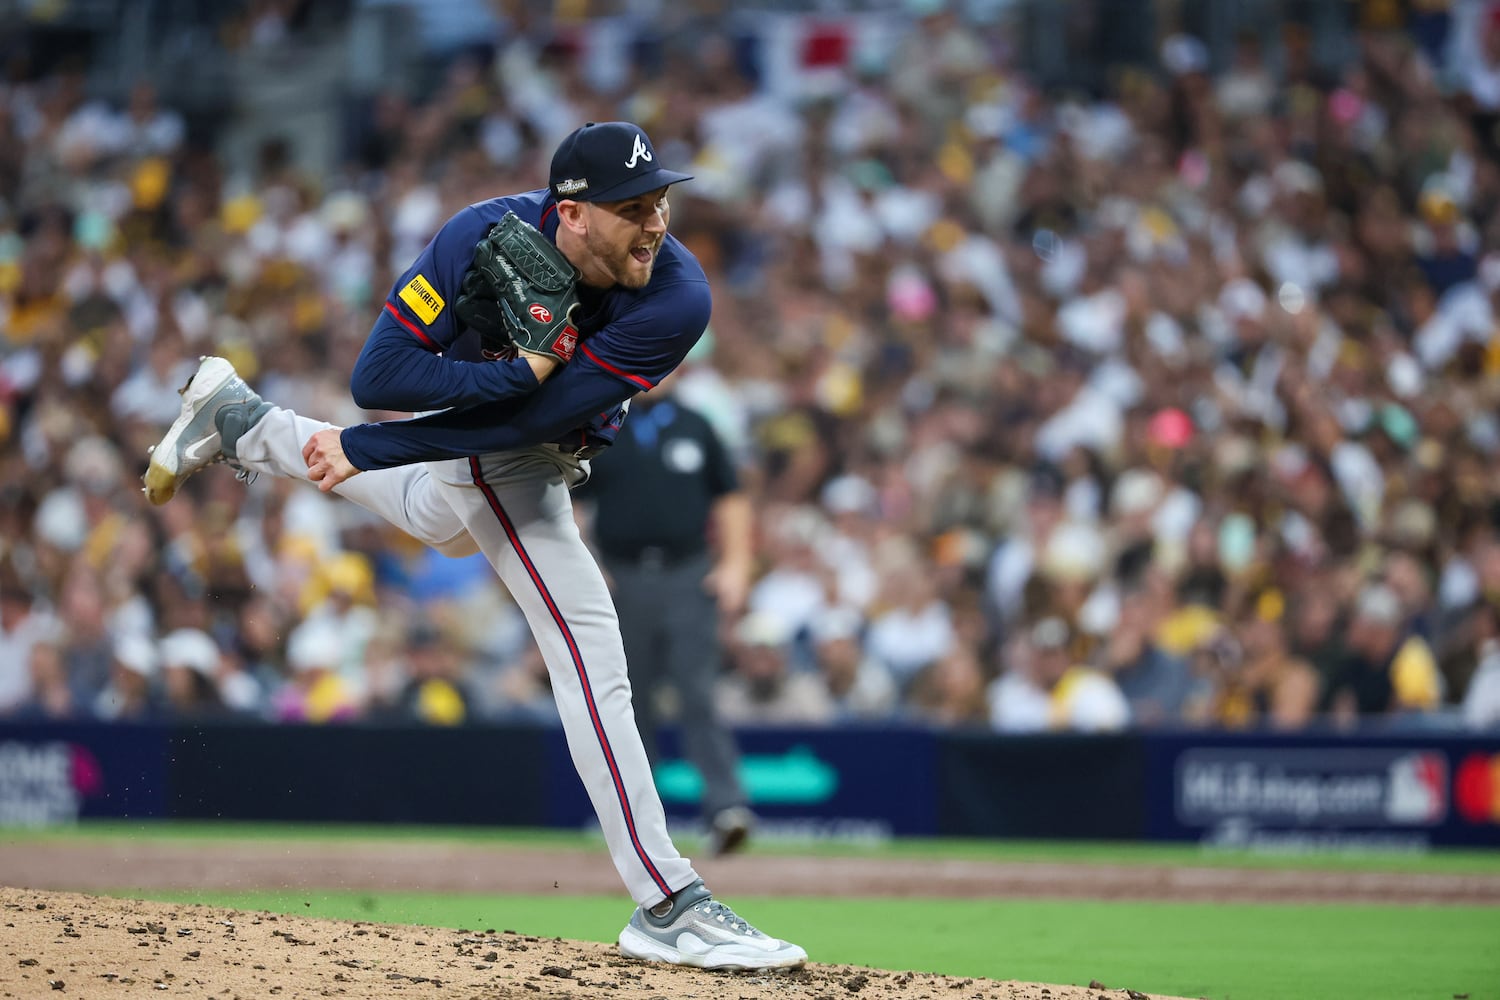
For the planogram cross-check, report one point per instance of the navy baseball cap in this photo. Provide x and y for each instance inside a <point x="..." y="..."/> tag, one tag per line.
<point x="608" y="161"/>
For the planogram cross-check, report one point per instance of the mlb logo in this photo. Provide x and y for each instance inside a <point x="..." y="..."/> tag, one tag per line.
<point x="1418" y="789"/>
<point x="566" y="343"/>
<point x="540" y="313"/>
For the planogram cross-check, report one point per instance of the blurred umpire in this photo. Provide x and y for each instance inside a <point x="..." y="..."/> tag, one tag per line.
<point x="666" y="485"/>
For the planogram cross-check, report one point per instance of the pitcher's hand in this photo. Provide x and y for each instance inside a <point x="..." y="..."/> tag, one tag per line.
<point x="324" y="455"/>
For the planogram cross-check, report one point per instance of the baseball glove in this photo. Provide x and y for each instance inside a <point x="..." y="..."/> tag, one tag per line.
<point x="519" y="292"/>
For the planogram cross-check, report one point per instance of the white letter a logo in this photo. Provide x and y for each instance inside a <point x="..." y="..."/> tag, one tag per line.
<point x="638" y="152"/>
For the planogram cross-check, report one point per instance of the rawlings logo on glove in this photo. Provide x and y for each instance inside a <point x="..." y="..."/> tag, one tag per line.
<point x="520" y="293"/>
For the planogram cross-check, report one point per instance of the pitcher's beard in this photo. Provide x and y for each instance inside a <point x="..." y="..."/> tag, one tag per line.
<point x="626" y="271"/>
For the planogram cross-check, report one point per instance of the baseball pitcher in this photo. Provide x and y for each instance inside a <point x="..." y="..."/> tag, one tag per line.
<point x="518" y="337"/>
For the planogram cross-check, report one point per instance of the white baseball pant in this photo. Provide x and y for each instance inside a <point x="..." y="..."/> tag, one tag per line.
<point x="515" y="508"/>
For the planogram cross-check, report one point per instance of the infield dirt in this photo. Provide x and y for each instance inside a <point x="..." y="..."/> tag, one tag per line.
<point x="56" y="942"/>
<point x="70" y="945"/>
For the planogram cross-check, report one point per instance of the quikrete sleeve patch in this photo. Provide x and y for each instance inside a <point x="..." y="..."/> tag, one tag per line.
<point x="422" y="300"/>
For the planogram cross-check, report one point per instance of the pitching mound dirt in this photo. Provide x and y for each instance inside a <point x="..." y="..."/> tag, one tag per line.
<point x="56" y="944"/>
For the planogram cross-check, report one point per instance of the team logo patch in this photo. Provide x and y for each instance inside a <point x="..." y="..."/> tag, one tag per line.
<point x="540" y="313"/>
<point x="638" y="152"/>
<point x="566" y="344"/>
<point x="422" y="300"/>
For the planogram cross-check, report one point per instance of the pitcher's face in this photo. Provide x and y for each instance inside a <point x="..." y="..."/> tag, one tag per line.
<point x="624" y="237"/>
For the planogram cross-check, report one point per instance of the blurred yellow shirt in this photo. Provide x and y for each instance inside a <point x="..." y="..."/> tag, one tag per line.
<point x="1185" y="629"/>
<point x="1415" y="679"/>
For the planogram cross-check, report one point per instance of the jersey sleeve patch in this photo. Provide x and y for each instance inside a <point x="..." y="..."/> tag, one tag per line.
<point x="421" y="299"/>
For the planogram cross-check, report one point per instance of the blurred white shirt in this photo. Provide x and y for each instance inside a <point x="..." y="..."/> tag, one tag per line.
<point x="15" y="656"/>
<point x="1482" y="701"/>
<point x="906" y="641"/>
<point x="1084" y="701"/>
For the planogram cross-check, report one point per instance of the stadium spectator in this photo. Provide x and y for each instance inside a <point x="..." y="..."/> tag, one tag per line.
<point x="859" y="686"/>
<point x="189" y="662"/>
<point x="83" y="641"/>
<point x="1245" y="677"/>
<point x="524" y="688"/>
<point x="1154" y="682"/>
<point x="51" y="697"/>
<point x="912" y="628"/>
<point x="1046" y="688"/>
<point x="435" y="692"/>
<point x="761" y="686"/>
<point x="950" y="691"/>
<point x="1481" y="703"/>
<point x="1386" y="670"/>
<point x="23" y="626"/>
<point x="317" y="690"/>
<point x="1212" y="324"/>
<point x="131" y="694"/>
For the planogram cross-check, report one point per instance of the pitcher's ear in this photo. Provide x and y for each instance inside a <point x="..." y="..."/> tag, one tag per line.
<point x="571" y="214"/>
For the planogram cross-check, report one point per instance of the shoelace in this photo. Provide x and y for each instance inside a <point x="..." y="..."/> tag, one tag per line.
<point x="244" y="475"/>
<point x="715" y="910"/>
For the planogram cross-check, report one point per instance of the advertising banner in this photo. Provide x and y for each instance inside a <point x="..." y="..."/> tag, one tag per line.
<point x="360" y="774"/>
<point x="847" y="783"/>
<point x="1262" y="790"/>
<point x="58" y="774"/>
<point x="1041" y="786"/>
<point x="1322" y="792"/>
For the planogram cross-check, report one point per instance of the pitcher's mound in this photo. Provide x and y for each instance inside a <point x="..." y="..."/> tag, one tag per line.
<point x="71" y="945"/>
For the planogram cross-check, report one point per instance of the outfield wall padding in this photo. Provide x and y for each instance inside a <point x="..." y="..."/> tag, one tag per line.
<point x="1374" y="789"/>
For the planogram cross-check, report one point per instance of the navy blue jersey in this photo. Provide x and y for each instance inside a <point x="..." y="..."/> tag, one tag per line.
<point x="631" y="339"/>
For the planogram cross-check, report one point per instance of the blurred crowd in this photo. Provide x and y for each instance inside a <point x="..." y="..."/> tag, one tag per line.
<point x="1169" y="404"/>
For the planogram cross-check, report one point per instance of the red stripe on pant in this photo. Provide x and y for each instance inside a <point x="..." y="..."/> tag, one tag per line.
<point x="583" y="677"/>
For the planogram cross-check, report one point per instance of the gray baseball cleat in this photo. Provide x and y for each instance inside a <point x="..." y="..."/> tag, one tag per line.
<point x="217" y="407"/>
<point x="692" y="928"/>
